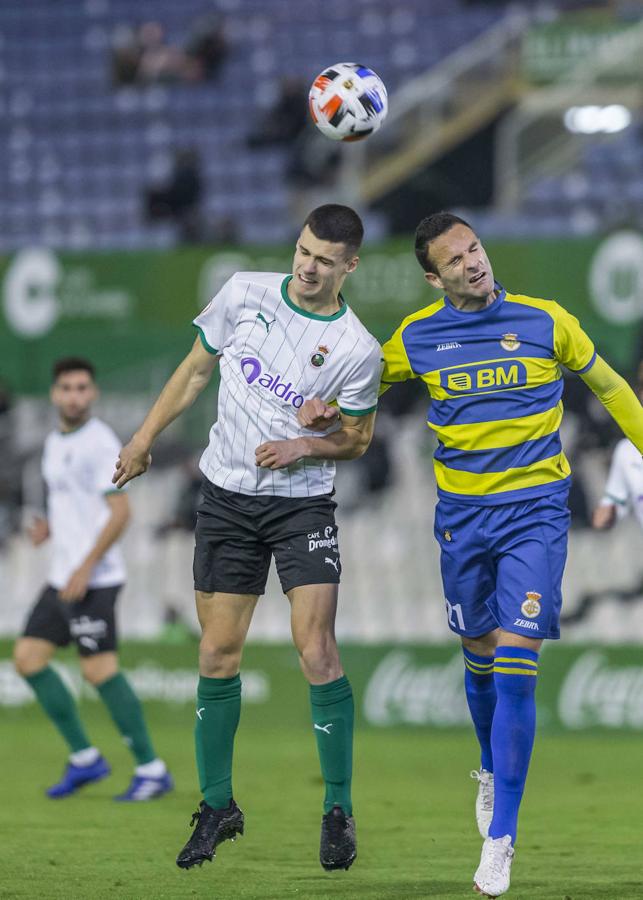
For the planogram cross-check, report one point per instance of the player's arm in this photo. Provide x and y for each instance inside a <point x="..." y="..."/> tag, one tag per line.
<point x="614" y="501"/>
<point x="38" y="530"/>
<point x="180" y="392"/>
<point x="76" y="586"/>
<point x="351" y="415"/>
<point x="317" y="415"/>
<point x="618" y="398"/>
<point x="604" y="516"/>
<point x="574" y="349"/>
<point x="350" y="441"/>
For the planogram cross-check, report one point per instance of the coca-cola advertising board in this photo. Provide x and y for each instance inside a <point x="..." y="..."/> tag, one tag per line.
<point x="580" y="687"/>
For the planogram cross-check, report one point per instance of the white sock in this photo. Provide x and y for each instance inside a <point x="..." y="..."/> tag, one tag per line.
<point x="86" y="757"/>
<point x="154" y="769"/>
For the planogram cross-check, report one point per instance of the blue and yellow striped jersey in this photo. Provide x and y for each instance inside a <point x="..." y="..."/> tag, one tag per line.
<point x="495" y="383"/>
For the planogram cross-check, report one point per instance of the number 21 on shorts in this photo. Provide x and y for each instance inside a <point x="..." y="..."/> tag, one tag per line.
<point x="455" y="609"/>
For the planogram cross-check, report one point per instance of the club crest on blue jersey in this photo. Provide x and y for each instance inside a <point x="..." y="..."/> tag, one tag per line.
<point x="509" y="341"/>
<point x="482" y="377"/>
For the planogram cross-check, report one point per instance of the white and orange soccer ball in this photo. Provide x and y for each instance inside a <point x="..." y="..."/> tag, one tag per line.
<point x="348" y="102"/>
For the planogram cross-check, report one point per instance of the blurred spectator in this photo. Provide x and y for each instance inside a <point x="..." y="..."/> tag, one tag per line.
<point x="10" y="499"/>
<point x="206" y="48"/>
<point x="183" y="516"/>
<point x="286" y="119"/>
<point x="180" y="197"/>
<point x="224" y="231"/>
<point x="159" y="60"/>
<point x="126" y="55"/>
<point x="143" y="55"/>
<point x="5" y="405"/>
<point x="314" y="160"/>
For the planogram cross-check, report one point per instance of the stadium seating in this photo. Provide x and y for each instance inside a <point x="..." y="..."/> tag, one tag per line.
<point x="78" y="152"/>
<point x="606" y="187"/>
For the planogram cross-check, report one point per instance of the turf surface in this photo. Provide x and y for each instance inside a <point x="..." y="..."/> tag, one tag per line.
<point x="580" y="827"/>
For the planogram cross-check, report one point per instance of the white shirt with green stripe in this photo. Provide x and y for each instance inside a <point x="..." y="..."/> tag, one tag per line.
<point x="77" y="467"/>
<point x="624" y="486"/>
<point x="274" y="355"/>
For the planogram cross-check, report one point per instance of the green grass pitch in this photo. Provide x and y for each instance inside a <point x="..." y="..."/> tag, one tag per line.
<point x="580" y="826"/>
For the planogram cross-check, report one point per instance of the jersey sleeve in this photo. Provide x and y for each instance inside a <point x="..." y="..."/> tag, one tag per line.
<point x="572" y="346"/>
<point x="216" y="322"/>
<point x="104" y="456"/>
<point x="618" y="398"/>
<point x="616" y="487"/>
<point x="358" y="394"/>
<point x="396" y="362"/>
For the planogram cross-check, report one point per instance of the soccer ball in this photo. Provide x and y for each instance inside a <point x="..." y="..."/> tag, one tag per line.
<point x="348" y="102"/>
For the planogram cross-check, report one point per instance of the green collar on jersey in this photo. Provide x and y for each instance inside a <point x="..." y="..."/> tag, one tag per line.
<point x="74" y="430"/>
<point x="302" y="312"/>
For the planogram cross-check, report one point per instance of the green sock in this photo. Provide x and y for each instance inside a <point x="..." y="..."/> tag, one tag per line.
<point x="126" y="711"/>
<point x="60" y="706"/>
<point x="333" y="713"/>
<point x="218" y="706"/>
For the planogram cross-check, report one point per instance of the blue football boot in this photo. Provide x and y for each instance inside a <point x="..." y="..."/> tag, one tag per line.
<point x="75" y="777"/>
<point x="145" y="788"/>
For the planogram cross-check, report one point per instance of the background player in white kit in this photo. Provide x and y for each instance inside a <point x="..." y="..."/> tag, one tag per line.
<point x="85" y="518"/>
<point x="279" y="339"/>
<point x="624" y="488"/>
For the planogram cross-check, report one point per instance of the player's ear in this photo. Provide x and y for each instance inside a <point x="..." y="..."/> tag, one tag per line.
<point x="434" y="280"/>
<point x="351" y="264"/>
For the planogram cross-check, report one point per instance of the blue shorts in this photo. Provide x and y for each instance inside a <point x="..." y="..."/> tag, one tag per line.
<point x="502" y="566"/>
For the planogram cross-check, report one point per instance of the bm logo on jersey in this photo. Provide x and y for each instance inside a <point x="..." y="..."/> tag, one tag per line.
<point x="484" y="377"/>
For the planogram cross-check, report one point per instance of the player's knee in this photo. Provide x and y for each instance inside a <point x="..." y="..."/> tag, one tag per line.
<point x="485" y="645"/>
<point x="26" y="660"/>
<point x="319" y="659"/>
<point x="219" y="659"/>
<point x="97" y="670"/>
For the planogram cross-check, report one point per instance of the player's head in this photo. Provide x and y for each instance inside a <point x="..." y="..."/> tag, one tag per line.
<point x="453" y="259"/>
<point x="73" y="389"/>
<point x="326" y="251"/>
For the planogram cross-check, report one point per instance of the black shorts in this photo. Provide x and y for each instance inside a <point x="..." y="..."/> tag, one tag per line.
<point x="236" y="535"/>
<point x="89" y="622"/>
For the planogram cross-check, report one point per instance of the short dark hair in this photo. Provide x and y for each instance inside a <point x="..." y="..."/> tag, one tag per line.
<point x="428" y="230"/>
<point x="338" y="224"/>
<point x="72" y="364"/>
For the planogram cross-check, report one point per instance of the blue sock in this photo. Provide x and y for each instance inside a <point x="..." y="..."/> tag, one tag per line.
<point x="512" y="734"/>
<point x="480" y="689"/>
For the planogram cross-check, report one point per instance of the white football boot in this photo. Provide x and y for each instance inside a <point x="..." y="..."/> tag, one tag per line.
<point x="484" y="800"/>
<point x="493" y="874"/>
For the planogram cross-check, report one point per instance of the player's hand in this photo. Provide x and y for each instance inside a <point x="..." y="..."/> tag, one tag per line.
<point x="76" y="587"/>
<point x="133" y="460"/>
<point x="604" y="516"/>
<point x="38" y="531"/>
<point x="316" y="415"/>
<point x="279" y="454"/>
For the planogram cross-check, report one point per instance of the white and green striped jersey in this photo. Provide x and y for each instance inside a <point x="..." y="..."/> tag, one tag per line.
<point x="77" y="467"/>
<point x="273" y="356"/>
<point x="625" y="480"/>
